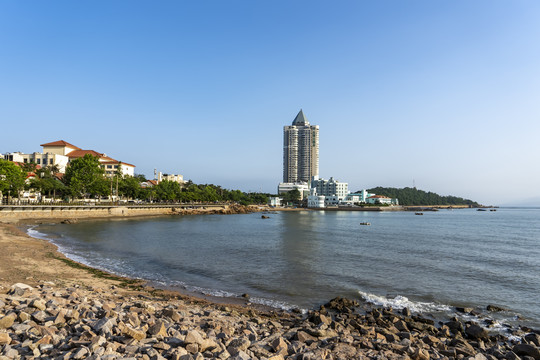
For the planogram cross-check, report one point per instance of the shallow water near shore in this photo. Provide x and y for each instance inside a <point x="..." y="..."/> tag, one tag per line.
<point x="428" y="263"/>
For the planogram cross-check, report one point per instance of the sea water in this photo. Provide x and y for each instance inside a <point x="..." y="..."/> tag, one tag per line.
<point x="429" y="263"/>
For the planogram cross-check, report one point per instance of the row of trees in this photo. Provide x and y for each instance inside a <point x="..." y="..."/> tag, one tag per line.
<point x="84" y="178"/>
<point x="413" y="196"/>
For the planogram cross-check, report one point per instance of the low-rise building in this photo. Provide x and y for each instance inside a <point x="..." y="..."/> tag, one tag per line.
<point x="302" y="187"/>
<point x="170" y="177"/>
<point x="60" y="153"/>
<point x="315" y="200"/>
<point x="358" y="197"/>
<point x="149" y="184"/>
<point x="108" y="164"/>
<point x="381" y="199"/>
<point x="45" y="159"/>
<point x="275" y="201"/>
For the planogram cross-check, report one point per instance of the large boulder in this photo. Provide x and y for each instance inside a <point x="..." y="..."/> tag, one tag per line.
<point x="476" y="332"/>
<point x="194" y="337"/>
<point x="527" y="350"/>
<point x="19" y="289"/>
<point x="533" y="339"/>
<point x="5" y="339"/>
<point x="7" y="320"/>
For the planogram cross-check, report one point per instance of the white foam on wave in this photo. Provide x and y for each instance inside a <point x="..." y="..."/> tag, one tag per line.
<point x="32" y="232"/>
<point x="276" y="304"/>
<point x="401" y="302"/>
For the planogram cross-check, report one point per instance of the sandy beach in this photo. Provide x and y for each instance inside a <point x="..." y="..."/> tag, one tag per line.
<point x="52" y="307"/>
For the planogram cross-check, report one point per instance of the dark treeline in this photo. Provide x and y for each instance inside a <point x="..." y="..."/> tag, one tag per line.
<point x="413" y="196"/>
<point x="190" y="192"/>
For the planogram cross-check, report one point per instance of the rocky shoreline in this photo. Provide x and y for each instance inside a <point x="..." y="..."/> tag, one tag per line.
<point x="52" y="307"/>
<point x="85" y="322"/>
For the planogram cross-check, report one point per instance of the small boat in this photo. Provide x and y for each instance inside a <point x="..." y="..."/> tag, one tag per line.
<point x="418" y="213"/>
<point x="493" y="210"/>
<point x="481" y="210"/>
<point x="365" y="223"/>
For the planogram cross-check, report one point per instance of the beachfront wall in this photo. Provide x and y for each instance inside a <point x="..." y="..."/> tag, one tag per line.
<point x="79" y="212"/>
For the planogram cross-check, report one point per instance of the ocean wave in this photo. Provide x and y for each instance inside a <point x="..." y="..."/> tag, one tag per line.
<point x="32" y="232"/>
<point x="401" y="302"/>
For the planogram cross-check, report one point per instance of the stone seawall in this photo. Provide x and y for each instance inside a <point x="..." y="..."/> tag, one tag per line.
<point x="15" y="213"/>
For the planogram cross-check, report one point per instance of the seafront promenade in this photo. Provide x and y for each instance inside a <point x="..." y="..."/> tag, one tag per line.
<point x="26" y="212"/>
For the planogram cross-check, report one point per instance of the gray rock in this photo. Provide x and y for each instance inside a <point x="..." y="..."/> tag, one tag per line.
<point x="237" y="345"/>
<point x="476" y="332"/>
<point x="527" y="350"/>
<point x="173" y="315"/>
<point x="81" y="353"/>
<point x="19" y="289"/>
<point x="455" y="326"/>
<point x="11" y="353"/>
<point x="495" y="308"/>
<point x="241" y="355"/>
<point x="193" y="337"/>
<point x="104" y="325"/>
<point x="511" y="356"/>
<point x="533" y="338"/>
<point x="406" y="312"/>
<point x="39" y="316"/>
<point x="38" y="304"/>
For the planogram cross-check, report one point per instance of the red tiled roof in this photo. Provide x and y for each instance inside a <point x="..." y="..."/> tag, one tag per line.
<point x="20" y="164"/>
<point x="60" y="143"/>
<point x="378" y="197"/>
<point x="80" y="153"/>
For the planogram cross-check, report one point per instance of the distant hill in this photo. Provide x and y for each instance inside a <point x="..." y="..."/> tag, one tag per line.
<point x="413" y="196"/>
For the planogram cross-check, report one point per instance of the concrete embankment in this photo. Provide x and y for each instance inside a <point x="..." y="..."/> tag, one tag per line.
<point x="16" y="213"/>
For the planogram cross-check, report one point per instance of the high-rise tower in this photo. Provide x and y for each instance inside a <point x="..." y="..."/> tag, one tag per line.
<point x="300" y="150"/>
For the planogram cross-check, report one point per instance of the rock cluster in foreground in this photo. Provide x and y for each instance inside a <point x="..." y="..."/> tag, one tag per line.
<point x="92" y="323"/>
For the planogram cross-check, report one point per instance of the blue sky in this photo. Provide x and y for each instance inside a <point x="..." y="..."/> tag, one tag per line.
<point x="445" y="93"/>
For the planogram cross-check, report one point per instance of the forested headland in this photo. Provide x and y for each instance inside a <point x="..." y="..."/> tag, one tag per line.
<point x="413" y="196"/>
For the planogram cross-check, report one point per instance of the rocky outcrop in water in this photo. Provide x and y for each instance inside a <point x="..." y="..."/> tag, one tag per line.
<point x="229" y="210"/>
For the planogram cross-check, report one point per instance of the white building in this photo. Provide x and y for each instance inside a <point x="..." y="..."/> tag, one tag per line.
<point x="330" y="187"/>
<point x="303" y="187"/>
<point x="65" y="149"/>
<point x="170" y="177"/>
<point x="314" y="200"/>
<point x="359" y="197"/>
<point x="275" y="201"/>
<point x="383" y="200"/>
<point x="46" y="159"/>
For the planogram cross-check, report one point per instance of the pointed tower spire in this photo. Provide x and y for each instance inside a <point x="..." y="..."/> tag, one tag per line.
<point x="300" y="119"/>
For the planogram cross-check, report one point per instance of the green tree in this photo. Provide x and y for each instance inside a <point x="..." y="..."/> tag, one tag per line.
<point x="129" y="187"/>
<point x="84" y="176"/>
<point x="292" y="196"/>
<point x="168" y="190"/>
<point x="11" y="178"/>
<point x="413" y="196"/>
<point x="46" y="181"/>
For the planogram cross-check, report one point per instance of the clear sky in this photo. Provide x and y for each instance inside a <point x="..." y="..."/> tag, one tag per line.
<point x="445" y="93"/>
